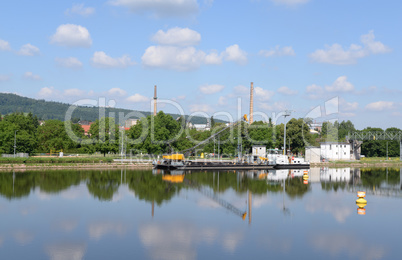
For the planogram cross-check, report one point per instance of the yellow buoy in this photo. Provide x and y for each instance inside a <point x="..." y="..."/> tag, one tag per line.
<point x="305" y="177"/>
<point x="361" y="211"/>
<point x="361" y="201"/>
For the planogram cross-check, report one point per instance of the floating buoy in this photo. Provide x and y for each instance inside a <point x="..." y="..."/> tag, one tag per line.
<point x="305" y="177"/>
<point x="361" y="203"/>
<point x="305" y="181"/>
<point x="305" y="173"/>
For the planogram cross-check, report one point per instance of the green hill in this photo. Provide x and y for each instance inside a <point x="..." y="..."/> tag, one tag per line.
<point x="44" y="110"/>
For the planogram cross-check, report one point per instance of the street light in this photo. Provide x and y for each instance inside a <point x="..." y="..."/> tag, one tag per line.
<point x="287" y="113"/>
<point x="15" y="141"/>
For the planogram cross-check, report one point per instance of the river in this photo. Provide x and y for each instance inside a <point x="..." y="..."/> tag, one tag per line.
<point x="144" y="214"/>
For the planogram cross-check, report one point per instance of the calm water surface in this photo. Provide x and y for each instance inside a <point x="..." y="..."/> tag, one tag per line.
<point x="126" y="214"/>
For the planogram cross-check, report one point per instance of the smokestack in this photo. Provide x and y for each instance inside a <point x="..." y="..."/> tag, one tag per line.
<point x="251" y="102"/>
<point x="155" y="98"/>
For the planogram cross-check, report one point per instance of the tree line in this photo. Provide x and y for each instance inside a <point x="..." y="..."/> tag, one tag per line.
<point x="162" y="134"/>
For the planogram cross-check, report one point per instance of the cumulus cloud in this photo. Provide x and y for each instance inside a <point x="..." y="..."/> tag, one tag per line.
<point x="380" y="106"/>
<point x="340" y="85"/>
<point x="172" y="57"/>
<point x="31" y="76"/>
<point x="263" y="94"/>
<point x="290" y="2"/>
<point x="71" y="35"/>
<point x="46" y="92"/>
<point x="28" y="50"/>
<point x="4" y="45"/>
<point x="211" y="89"/>
<point x="177" y="36"/>
<point x="80" y="10"/>
<point x="336" y="54"/>
<point x="234" y="53"/>
<point x="158" y="8"/>
<point x="70" y="62"/>
<point x="287" y="91"/>
<point x="101" y="60"/>
<point x="137" y="98"/>
<point x="116" y="92"/>
<point x="278" y="51"/>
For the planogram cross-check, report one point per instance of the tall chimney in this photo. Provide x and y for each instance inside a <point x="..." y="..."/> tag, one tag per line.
<point x="155" y="98"/>
<point x="251" y="103"/>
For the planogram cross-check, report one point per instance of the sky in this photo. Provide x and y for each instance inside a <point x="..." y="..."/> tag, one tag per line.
<point x="327" y="60"/>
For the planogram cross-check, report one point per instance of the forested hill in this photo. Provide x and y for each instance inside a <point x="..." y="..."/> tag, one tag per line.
<point x="44" y="110"/>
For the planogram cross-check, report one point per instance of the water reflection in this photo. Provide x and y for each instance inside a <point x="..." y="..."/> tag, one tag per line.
<point x="191" y="215"/>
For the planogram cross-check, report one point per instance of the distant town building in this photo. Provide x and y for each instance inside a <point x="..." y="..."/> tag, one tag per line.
<point x="202" y="127"/>
<point x="130" y="122"/>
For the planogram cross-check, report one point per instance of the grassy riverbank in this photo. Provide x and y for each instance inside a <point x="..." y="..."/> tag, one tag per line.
<point x="364" y="162"/>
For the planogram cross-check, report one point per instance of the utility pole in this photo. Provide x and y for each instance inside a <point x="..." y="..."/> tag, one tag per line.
<point x="287" y="113"/>
<point x="15" y="141"/>
<point x="219" y="150"/>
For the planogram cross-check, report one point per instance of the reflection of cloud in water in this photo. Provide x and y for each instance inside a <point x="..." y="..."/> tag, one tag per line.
<point x="231" y="241"/>
<point x="66" y="251"/>
<point x="1" y="240"/>
<point x="100" y="229"/>
<point x="76" y="192"/>
<point x="207" y="203"/>
<point x="23" y="237"/>
<point x="354" y="247"/>
<point x="332" y="206"/>
<point x="174" y="240"/>
<point x="67" y="225"/>
<point x="259" y="201"/>
<point x="42" y="195"/>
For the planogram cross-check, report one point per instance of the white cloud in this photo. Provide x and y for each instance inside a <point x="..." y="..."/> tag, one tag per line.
<point x="28" y="50"/>
<point x="290" y="2"/>
<point x="117" y="92"/>
<point x="4" y="77"/>
<point x="287" y="91"/>
<point x="80" y="10"/>
<point x="23" y="237"/>
<point x="160" y="8"/>
<point x="284" y="51"/>
<point x="101" y="60"/>
<point x="314" y="91"/>
<point x="380" y="105"/>
<point x="70" y="62"/>
<point x="336" y="54"/>
<point x="137" y="98"/>
<point x="213" y="58"/>
<point x="30" y="75"/>
<point x="171" y="57"/>
<point x="71" y="35"/>
<point x="348" y="106"/>
<point x="4" y="46"/>
<point x="263" y="94"/>
<point x="234" y="53"/>
<point x="48" y="92"/>
<point x="177" y="36"/>
<point x="74" y="92"/>
<point x="100" y="229"/>
<point x="340" y="85"/>
<point x="211" y="89"/>
<point x="222" y="101"/>
<point x="200" y="108"/>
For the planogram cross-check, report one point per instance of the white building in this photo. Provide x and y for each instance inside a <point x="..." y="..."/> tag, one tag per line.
<point x="333" y="151"/>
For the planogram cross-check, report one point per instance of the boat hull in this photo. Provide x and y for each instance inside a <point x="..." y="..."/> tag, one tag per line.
<point x="292" y="166"/>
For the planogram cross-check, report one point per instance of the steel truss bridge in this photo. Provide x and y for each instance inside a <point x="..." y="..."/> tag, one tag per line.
<point x="375" y="135"/>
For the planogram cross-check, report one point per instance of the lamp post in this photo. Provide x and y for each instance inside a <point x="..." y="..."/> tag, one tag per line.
<point x="15" y="141"/>
<point x="287" y="113"/>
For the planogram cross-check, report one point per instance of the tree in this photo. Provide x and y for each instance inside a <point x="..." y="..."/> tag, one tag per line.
<point x="52" y="135"/>
<point x="105" y="133"/>
<point x="21" y="128"/>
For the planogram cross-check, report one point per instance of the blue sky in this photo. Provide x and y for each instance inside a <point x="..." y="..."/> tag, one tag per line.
<point x="302" y="55"/>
